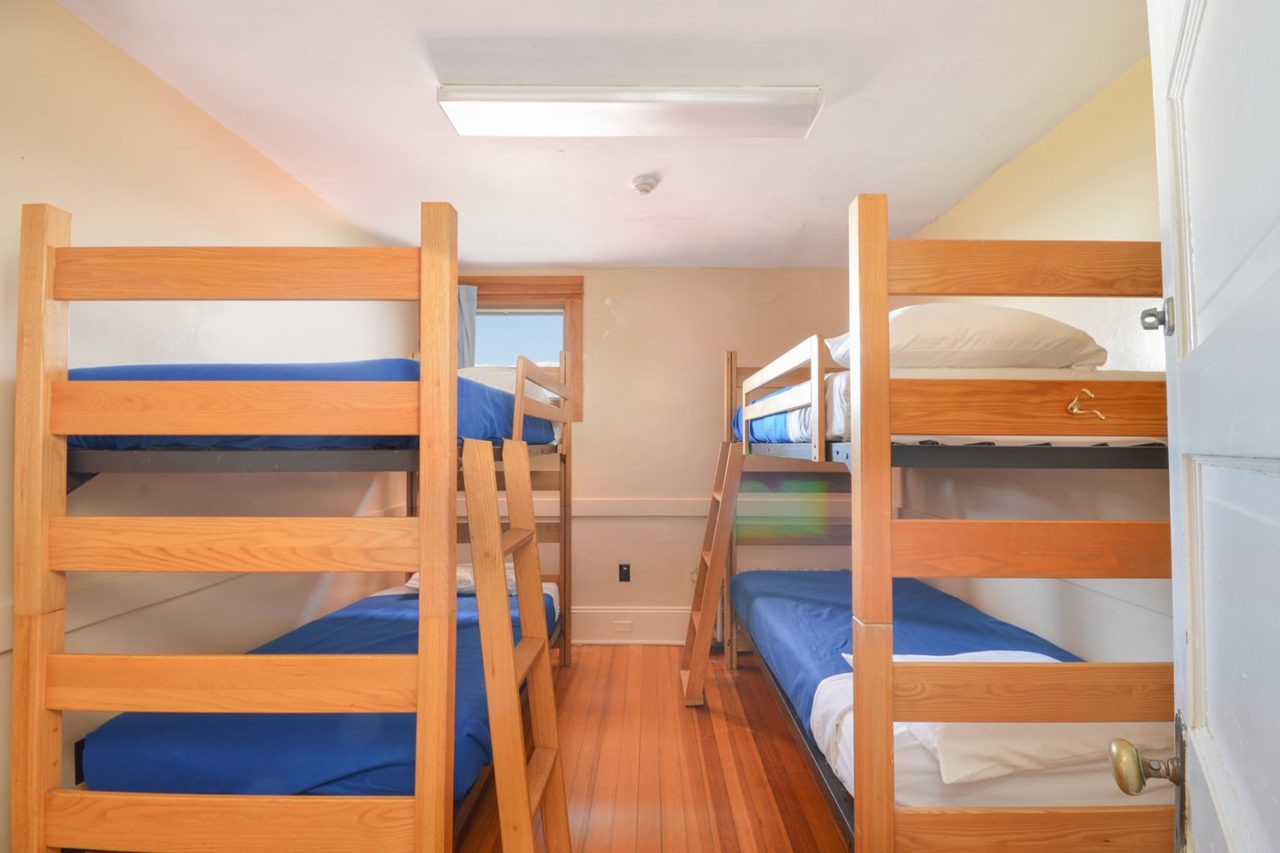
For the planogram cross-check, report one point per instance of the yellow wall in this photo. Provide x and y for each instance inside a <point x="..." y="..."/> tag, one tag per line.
<point x="1093" y="177"/>
<point x="88" y="129"/>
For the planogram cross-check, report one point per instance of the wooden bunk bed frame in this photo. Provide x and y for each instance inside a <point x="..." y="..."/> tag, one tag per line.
<point x="48" y="543"/>
<point x="885" y="547"/>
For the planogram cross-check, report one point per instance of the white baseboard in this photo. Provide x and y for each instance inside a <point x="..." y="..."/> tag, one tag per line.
<point x="648" y="626"/>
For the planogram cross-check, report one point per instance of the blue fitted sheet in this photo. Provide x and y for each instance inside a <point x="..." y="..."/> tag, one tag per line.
<point x="304" y="753"/>
<point x="484" y="413"/>
<point x="771" y="429"/>
<point x="801" y="622"/>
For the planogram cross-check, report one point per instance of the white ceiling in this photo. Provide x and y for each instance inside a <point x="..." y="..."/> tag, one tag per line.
<point x="924" y="99"/>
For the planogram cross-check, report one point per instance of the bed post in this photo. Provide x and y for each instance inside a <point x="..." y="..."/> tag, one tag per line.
<point x="871" y="494"/>
<point x="566" y="518"/>
<point x="437" y="526"/>
<point x="39" y="494"/>
<point x="730" y="625"/>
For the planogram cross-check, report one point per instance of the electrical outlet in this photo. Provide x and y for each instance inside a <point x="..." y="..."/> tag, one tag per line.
<point x="624" y="573"/>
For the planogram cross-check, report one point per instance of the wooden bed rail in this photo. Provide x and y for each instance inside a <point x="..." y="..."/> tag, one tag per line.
<point x="1116" y="829"/>
<point x="809" y="358"/>
<point x="237" y="273"/>
<point x="1023" y="268"/>
<point x="181" y="823"/>
<point x="234" y="408"/>
<point x="885" y="547"/>
<point x="557" y="382"/>
<point x="955" y="548"/>
<point x="48" y="544"/>
<point x="1033" y="692"/>
<point x="1027" y="407"/>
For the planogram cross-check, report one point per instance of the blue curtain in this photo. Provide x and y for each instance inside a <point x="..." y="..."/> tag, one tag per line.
<point x="466" y="325"/>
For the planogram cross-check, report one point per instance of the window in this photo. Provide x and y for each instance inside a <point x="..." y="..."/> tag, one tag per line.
<point x="501" y="336"/>
<point x="530" y="315"/>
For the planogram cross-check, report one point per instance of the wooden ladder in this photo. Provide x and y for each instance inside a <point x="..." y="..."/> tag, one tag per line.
<point x="711" y="572"/>
<point x="525" y="779"/>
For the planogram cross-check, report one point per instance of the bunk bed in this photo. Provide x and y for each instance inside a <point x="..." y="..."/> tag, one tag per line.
<point x="415" y="682"/>
<point x="916" y="656"/>
<point x="261" y="754"/>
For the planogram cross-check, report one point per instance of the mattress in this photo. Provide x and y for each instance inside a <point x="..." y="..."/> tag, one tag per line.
<point x="796" y="427"/>
<point x="484" y="412"/>
<point x="800" y="624"/>
<point x="354" y="754"/>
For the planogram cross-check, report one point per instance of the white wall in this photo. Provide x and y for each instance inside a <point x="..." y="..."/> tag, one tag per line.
<point x="1091" y="178"/>
<point x="91" y="131"/>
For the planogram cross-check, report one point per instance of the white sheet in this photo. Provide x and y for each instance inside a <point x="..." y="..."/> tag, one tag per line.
<point x="800" y="421"/>
<point x="918" y="778"/>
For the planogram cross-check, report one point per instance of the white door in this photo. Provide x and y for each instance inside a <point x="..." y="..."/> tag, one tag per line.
<point x="1216" y="75"/>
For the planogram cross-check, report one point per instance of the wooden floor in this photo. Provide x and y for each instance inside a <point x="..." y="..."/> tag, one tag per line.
<point x="645" y="773"/>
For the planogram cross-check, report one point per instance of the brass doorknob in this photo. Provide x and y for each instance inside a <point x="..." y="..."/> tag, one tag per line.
<point x="1132" y="770"/>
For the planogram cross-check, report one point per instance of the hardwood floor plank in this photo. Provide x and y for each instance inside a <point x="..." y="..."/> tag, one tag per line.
<point x="645" y="773"/>
<point x="678" y="829"/>
<point x="649" y="812"/>
<point x="608" y="753"/>
<point x="626" y="795"/>
<point x="806" y="817"/>
<point x="767" y="823"/>
<point x="697" y="790"/>
<point x="716" y="781"/>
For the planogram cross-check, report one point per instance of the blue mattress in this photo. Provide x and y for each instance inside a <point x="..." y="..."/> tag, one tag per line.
<point x="304" y="753"/>
<point x="484" y="413"/>
<point x="771" y="429"/>
<point x="800" y="623"/>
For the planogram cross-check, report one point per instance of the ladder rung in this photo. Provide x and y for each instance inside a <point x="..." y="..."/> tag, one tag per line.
<point x="544" y="758"/>
<point x="717" y="496"/>
<point x="706" y="558"/>
<point x="515" y="538"/>
<point x="694" y="616"/>
<point x="527" y="651"/>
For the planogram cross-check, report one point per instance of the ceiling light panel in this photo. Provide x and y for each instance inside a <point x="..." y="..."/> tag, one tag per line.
<point x="761" y="112"/>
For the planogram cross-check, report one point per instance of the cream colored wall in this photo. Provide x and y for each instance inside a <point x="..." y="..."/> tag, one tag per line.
<point x="654" y="343"/>
<point x="1091" y="178"/>
<point x="88" y="129"/>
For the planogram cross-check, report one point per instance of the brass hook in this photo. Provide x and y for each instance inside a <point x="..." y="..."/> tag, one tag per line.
<point x="1073" y="408"/>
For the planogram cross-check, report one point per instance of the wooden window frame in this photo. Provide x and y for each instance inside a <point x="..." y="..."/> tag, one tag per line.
<point x="556" y="292"/>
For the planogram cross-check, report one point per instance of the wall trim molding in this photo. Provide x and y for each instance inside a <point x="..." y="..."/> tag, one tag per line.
<point x="650" y="626"/>
<point x="835" y="506"/>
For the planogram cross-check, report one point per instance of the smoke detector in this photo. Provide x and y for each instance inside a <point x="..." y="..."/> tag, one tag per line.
<point x="645" y="184"/>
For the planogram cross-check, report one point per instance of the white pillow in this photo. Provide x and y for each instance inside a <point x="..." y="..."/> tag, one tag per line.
<point x="970" y="752"/>
<point x="839" y="349"/>
<point x="973" y="334"/>
<point x="467" y="579"/>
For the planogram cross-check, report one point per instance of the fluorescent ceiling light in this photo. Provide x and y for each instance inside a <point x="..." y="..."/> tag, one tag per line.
<point x="772" y="112"/>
